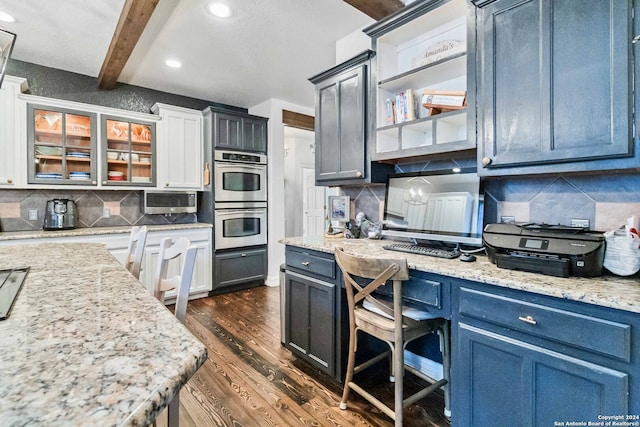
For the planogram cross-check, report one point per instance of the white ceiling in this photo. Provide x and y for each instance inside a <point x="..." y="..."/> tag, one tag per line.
<point x="267" y="49"/>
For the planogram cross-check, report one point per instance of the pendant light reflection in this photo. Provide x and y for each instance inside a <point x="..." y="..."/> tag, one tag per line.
<point x="416" y="191"/>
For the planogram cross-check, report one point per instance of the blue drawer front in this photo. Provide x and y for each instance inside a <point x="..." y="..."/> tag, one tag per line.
<point x="578" y="330"/>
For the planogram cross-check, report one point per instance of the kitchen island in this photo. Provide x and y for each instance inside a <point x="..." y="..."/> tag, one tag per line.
<point x="86" y="344"/>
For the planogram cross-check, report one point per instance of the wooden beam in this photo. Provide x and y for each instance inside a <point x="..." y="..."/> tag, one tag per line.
<point x="133" y="19"/>
<point x="298" y="120"/>
<point x="377" y="9"/>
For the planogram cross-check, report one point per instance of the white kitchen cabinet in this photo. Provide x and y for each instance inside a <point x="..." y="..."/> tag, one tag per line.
<point x="12" y="139"/>
<point x="179" y="148"/>
<point x="130" y="151"/>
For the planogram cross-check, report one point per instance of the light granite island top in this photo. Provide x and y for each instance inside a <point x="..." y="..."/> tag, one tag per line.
<point x="86" y="344"/>
<point x="607" y="290"/>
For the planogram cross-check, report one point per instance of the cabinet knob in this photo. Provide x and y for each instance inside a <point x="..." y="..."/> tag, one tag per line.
<point x="243" y="254"/>
<point x="358" y="174"/>
<point x="486" y="161"/>
<point x="94" y="182"/>
<point x="104" y="182"/>
<point x="305" y="263"/>
<point x="9" y="181"/>
<point x="636" y="39"/>
<point x="530" y="320"/>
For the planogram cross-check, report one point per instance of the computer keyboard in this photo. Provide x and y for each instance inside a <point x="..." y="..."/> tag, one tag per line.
<point x="423" y="250"/>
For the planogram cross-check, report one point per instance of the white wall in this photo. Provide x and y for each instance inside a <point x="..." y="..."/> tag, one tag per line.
<point x="351" y="45"/>
<point x="272" y="109"/>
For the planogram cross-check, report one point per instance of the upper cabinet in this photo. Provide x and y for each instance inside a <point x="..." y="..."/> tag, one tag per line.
<point x="11" y="133"/>
<point x="180" y="148"/>
<point x="129" y="152"/>
<point x="343" y="125"/>
<point x="423" y="102"/>
<point x="555" y="86"/>
<point x="237" y="131"/>
<point x="61" y="146"/>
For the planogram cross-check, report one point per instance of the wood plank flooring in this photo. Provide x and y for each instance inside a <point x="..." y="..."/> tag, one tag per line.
<point x="250" y="379"/>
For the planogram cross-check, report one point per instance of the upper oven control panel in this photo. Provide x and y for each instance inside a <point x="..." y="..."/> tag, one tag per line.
<point x="235" y="156"/>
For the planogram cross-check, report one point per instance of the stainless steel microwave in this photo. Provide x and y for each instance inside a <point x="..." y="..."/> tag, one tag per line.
<point x="170" y="202"/>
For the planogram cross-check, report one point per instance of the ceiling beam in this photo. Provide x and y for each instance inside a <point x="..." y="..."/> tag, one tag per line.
<point x="377" y="9"/>
<point x="134" y="17"/>
<point x="298" y="120"/>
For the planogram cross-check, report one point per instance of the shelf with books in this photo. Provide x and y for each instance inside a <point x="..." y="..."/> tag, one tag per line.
<point x="422" y="58"/>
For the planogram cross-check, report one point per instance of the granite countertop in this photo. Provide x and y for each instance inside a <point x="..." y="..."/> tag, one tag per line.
<point x="86" y="344"/>
<point x="94" y="231"/>
<point x="608" y="290"/>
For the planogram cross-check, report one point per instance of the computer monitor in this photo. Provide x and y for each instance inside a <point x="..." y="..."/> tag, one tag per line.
<point x="439" y="206"/>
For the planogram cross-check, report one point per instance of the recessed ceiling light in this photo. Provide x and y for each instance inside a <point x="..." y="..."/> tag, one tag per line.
<point x="173" y="63"/>
<point x="220" y="10"/>
<point x="6" y="17"/>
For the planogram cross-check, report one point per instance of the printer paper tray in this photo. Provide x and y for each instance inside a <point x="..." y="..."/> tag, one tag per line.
<point x="558" y="267"/>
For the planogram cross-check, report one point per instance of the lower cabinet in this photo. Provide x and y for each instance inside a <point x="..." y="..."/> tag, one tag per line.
<point x="201" y="280"/>
<point x="310" y="332"/>
<point x="238" y="269"/>
<point x="525" y="359"/>
<point x="312" y="309"/>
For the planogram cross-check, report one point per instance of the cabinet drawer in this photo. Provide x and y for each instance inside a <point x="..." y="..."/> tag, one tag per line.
<point x="566" y="327"/>
<point x="312" y="263"/>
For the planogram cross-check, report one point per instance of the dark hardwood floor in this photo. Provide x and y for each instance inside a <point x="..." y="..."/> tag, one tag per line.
<point x="250" y="379"/>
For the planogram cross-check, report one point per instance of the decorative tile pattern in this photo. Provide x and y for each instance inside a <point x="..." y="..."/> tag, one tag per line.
<point x="125" y="208"/>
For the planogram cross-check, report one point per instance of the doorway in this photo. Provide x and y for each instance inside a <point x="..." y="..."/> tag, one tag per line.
<point x="304" y="201"/>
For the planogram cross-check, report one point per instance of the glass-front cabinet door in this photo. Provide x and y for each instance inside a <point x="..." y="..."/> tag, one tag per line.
<point x="62" y="146"/>
<point x="129" y="157"/>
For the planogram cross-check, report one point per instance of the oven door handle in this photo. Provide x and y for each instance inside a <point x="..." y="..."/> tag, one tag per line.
<point x="238" y="166"/>
<point x="243" y="211"/>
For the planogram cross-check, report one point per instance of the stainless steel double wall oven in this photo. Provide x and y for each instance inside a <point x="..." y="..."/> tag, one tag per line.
<point x="240" y="199"/>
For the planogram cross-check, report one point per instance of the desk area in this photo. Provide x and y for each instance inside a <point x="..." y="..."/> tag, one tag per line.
<point x="86" y="344"/>
<point x="551" y="339"/>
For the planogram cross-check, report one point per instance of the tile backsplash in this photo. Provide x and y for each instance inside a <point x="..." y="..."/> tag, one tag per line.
<point x="123" y="207"/>
<point x="605" y="200"/>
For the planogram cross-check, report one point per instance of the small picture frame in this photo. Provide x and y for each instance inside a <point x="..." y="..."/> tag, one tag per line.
<point x="7" y="40"/>
<point x="339" y="209"/>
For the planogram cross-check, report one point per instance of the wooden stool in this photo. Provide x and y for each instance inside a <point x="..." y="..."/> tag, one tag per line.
<point x="390" y="322"/>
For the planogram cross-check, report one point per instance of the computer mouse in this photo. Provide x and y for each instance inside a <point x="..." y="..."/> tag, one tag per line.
<point x="467" y="258"/>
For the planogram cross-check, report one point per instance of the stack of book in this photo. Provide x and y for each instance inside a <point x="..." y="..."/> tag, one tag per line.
<point x="403" y="108"/>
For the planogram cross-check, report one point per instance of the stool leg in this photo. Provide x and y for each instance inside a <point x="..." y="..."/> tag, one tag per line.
<point x="350" y="365"/>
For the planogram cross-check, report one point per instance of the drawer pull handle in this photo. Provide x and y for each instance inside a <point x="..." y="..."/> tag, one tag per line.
<point x="306" y="263"/>
<point x="530" y="320"/>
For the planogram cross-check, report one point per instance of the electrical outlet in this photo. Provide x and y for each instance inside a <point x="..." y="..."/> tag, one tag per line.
<point x="507" y="219"/>
<point x="33" y="214"/>
<point x="106" y="213"/>
<point x="584" y="223"/>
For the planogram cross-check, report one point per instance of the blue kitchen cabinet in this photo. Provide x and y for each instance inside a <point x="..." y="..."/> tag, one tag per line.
<point x="344" y="125"/>
<point x="555" y="86"/>
<point x="531" y="360"/>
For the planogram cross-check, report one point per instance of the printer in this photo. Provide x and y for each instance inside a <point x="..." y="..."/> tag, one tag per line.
<point x="555" y="250"/>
